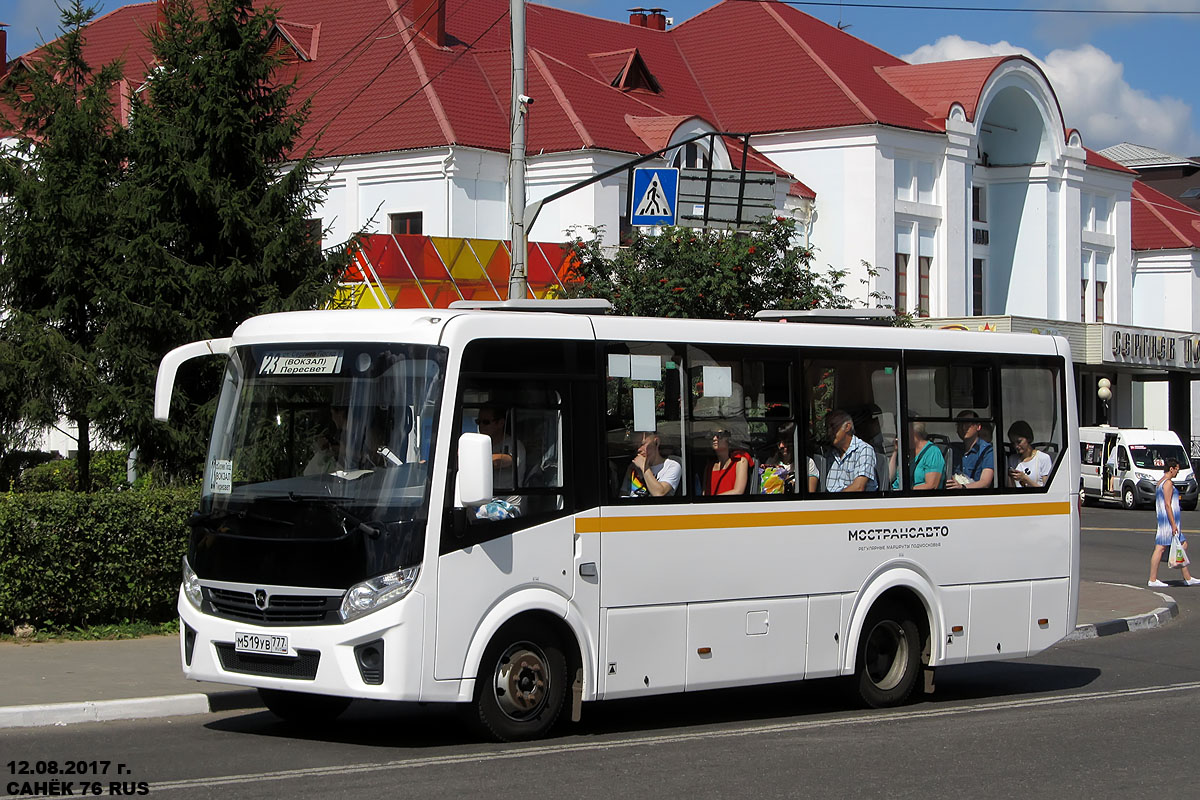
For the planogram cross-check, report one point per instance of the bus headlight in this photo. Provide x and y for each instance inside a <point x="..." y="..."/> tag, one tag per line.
<point x="370" y="595"/>
<point x="191" y="585"/>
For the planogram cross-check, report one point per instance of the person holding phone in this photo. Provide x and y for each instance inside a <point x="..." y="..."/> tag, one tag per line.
<point x="1028" y="467"/>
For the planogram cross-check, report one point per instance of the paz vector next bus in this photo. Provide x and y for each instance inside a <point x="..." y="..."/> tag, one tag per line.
<point x="520" y="511"/>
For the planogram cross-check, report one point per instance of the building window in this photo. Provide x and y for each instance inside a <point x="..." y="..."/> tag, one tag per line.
<point x="979" y="204"/>
<point x="977" y="287"/>
<point x="915" y="180"/>
<point x="692" y="154"/>
<point x="1095" y="212"/>
<point x="1083" y="303"/>
<point x="915" y="244"/>
<point x="313" y="229"/>
<point x="1094" y="270"/>
<point x="407" y="222"/>
<point x="1100" y="287"/>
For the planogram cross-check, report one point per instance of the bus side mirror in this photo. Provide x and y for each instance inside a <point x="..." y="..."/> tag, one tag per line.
<point x="165" y="383"/>
<point x="474" y="486"/>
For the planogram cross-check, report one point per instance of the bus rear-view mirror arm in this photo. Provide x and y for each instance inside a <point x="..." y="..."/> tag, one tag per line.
<point x="164" y="387"/>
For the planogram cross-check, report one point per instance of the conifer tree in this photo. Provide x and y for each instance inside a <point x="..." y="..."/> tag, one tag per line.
<point x="218" y="212"/>
<point x="58" y="247"/>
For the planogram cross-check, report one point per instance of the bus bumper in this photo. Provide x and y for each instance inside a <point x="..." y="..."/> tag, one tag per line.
<point x="336" y="660"/>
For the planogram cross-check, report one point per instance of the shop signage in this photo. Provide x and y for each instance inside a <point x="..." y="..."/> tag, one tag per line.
<point x="1147" y="347"/>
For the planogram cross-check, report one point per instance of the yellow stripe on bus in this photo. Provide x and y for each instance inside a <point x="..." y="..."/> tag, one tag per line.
<point x="769" y="519"/>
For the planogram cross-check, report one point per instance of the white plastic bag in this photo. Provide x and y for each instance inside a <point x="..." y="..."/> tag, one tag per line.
<point x="1177" y="556"/>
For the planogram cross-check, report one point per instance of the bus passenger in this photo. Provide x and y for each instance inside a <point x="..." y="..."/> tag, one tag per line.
<point x="974" y="467"/>
<point x="777" y="474"/>
<point x="851" y="460"/>
<point x="507" y="454"/>
<point x="1027" y="466"/>
<point x="928" y="463"/>
<point x="730" y="472"/>
<point x="651" y="474"/>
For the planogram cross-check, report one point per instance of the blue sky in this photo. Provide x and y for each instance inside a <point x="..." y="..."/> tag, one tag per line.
<point x="1118" y="78"/>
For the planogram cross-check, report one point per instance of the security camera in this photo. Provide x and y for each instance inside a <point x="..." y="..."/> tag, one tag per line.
<point x="524" y="99"/>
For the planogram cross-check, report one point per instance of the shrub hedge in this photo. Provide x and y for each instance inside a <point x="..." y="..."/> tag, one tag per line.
<point x="69" y="559"/>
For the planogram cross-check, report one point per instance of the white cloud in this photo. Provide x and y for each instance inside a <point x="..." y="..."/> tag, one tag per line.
<point x="1093" y="93"/>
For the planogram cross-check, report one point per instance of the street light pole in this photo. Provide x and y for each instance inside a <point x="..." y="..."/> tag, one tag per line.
<point x="518" y="274"/>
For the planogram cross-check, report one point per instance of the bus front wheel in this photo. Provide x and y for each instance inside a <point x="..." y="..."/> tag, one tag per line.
<point x="889" y="657"/>
<point x="522" y="684"/>
<point x="303" y="708"/>
<point x="1128" y="498"/>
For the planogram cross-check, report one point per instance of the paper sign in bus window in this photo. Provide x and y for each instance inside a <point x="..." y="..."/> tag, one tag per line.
<point x="220" y="476"/>
<point x="643" y="410"/>
<point x="618" y="365"/>
<point x="645" y="368"/>
<point x="718" y="381"/>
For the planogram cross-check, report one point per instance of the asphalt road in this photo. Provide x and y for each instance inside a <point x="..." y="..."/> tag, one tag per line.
<point x="1108" y="717"/>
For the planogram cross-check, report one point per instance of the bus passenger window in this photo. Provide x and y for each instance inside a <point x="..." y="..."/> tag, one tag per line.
<point x="952" y="403"/>
<point x="852" y="410"/>
<point x="1032" y="405"/>
<point x="643" y="430"/>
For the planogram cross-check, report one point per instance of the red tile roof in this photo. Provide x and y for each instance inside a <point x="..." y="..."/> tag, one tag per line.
<point x="1160" y="222"/>
<point x="1094" y="159"/>
<point x="742" y="66"/>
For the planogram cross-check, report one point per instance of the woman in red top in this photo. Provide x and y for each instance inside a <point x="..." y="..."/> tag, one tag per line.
<point x="730" y="471"/>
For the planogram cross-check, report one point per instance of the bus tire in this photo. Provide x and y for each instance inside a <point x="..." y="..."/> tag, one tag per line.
<point x="1128" y="498"/>
<point x="522" y="684"/>
<point x="889" y="656"/>
<point x="303" y="708"/>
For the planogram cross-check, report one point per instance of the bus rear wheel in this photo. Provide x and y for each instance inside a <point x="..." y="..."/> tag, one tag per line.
<point x="889" y="657"/>
<point x="303" y="708"/>
<point x="522" y="684"/>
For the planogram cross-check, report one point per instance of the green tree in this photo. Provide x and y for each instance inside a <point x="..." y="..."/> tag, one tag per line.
<point x="218" y="210"/>
<point x="687" y="272"/>
<point x="58" y="247"/>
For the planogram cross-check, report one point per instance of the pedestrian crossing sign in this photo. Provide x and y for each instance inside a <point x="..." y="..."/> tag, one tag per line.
<point x="653" y="196"/>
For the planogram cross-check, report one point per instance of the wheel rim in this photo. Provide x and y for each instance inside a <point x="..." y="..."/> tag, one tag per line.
<point x="1129" y="498"/>
<point x="522" y="681"/>
<point x="885" y="657"/>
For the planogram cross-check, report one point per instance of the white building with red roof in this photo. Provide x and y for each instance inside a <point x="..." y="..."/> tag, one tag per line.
<point x="959" y="182"/>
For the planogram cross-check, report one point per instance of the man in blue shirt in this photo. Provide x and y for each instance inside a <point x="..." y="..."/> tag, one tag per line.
<point x="851" y="460"/>
<point x="974" y="458"/>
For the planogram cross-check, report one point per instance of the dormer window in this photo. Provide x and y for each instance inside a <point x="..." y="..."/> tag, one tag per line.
<point x="692" y="155"/>
<point x="626" y="70"/>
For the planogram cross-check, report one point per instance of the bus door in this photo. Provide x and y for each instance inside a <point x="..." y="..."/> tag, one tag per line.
<point x="1111" y="485"/>
<point x="525" y="537"/>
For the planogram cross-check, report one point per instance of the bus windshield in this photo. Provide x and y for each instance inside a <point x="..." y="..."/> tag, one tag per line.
<point x="324" y="443"/>
<point x="1154" y="456"/>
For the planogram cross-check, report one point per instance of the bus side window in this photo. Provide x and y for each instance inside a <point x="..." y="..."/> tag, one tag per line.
<point x="949" y="405"/>
<point x="1031" y="399"/>
<point x="867" y="394"/>
<point x="643" y="422"/>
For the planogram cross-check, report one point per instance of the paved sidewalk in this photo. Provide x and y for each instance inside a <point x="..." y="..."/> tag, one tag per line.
<point x="52" y="683"/>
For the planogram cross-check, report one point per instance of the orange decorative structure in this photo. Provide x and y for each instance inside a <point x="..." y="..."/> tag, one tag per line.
<point x="412" y="271"/>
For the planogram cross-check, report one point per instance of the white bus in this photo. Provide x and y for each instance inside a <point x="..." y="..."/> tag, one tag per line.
<point x="443" y="506"/>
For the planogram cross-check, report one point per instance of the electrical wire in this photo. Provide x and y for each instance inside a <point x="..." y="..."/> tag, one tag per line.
<point x="421" y="88"/>
<point x="995" y="9"/>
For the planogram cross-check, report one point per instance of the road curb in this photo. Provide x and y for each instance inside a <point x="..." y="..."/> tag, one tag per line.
<point x="34" y="716"/>
<point x="1141" y="622"/>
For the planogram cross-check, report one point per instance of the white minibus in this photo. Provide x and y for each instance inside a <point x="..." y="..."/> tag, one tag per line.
<point x="523" y="511"/>
<point x="1124" y="465"/>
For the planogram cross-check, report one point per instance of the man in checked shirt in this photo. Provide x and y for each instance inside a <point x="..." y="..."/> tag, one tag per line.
<point x="851" y="460"/>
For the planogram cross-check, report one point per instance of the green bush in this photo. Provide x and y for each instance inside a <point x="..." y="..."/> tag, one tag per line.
<point x="69" y="559"/>
<point x="109" y="471"/>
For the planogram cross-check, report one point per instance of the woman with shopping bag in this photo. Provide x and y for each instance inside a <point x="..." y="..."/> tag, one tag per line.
<point x="1166" y="505"/>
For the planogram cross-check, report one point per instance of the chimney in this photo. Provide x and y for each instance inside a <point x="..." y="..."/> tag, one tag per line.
<point x="431" y="20"/>
<point x="657" y="19"/>
<point x="637" y="16"/>
<point x="3" y="50"/>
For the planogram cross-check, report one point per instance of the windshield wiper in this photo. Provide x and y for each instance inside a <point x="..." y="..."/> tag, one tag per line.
<point x="347" y="515"/>
<point x="200" y="518"/>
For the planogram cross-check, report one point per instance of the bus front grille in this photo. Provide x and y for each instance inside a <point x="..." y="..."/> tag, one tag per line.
<point x="283" y="609"/>
<point x="303" y="667"/>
